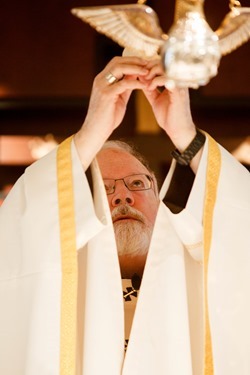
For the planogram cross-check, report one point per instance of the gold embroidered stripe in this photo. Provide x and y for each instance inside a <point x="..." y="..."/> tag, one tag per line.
<point x="68" y="260"/>
<point x="212" y="178"/>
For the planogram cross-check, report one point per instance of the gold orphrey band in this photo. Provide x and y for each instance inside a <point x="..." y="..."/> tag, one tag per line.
<point x="68" y="326"/>
<point x="212" y="178"/>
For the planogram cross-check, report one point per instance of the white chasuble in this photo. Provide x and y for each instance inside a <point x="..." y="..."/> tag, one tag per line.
<point x="61" y="297"/>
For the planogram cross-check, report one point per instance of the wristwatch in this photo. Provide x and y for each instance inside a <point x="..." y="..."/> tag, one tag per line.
<point x="187" y="155"/>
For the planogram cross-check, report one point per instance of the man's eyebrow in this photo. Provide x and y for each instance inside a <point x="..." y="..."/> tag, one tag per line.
<point x="128" y="175"/>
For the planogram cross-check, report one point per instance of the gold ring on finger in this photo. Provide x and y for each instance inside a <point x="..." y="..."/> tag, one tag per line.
<point x="110" y="78"/>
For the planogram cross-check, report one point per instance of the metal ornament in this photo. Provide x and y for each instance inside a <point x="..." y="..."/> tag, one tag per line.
<point x="191" y="51"/>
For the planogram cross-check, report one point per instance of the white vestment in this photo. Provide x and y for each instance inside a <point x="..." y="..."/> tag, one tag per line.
<point x="167" y="335"/>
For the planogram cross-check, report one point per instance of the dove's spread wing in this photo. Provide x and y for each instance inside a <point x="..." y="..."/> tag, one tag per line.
<point x="234" y="29"/>
<point x="134" y="26"/>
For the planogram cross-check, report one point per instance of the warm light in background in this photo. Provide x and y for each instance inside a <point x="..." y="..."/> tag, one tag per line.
<point x="242" y="152"/>
<point x="14" y="150"/>
<point x="4" y="91"/>
<point x="22" y="150"/>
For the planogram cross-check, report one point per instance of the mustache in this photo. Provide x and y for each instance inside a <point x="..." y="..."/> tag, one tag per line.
<point x="124" y="211"/>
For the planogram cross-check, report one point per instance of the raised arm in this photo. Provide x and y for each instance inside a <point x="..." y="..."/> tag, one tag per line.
<point x="108" y="102"/>
<point x="171" y="110"/>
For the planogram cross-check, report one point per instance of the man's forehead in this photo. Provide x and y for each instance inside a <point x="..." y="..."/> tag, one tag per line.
<point x="117" y="163"/>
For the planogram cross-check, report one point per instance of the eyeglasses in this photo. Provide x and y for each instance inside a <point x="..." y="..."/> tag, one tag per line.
<point x="134" y="182"/>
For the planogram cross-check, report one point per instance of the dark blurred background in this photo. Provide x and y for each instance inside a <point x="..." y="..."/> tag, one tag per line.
<point x="48" y="59"/>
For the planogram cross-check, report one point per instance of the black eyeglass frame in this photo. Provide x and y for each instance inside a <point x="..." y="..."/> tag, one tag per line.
<point x="150" y="178"/>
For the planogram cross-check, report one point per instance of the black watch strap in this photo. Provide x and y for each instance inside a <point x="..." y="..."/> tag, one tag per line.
<point x="192" y="149"/>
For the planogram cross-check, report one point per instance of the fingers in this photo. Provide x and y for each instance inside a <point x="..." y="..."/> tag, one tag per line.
<point x="156" y="75"/>
<point x="119" y="69"/>
<point x="123" y="73"/>
<point x="155" y="68"/>
<point x="120" y="66"/>
<point x="157" y="83"/>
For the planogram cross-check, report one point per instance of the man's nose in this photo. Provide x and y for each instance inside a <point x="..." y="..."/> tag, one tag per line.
<point x="122" y="195"/>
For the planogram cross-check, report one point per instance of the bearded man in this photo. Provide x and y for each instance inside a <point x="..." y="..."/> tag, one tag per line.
<point x="66" y="250"/>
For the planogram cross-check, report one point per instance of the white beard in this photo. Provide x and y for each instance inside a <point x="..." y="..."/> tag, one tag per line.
<point x="132" y="237"/>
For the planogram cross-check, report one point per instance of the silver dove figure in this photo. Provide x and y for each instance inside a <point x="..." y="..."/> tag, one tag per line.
<point x="190" y="51"/>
